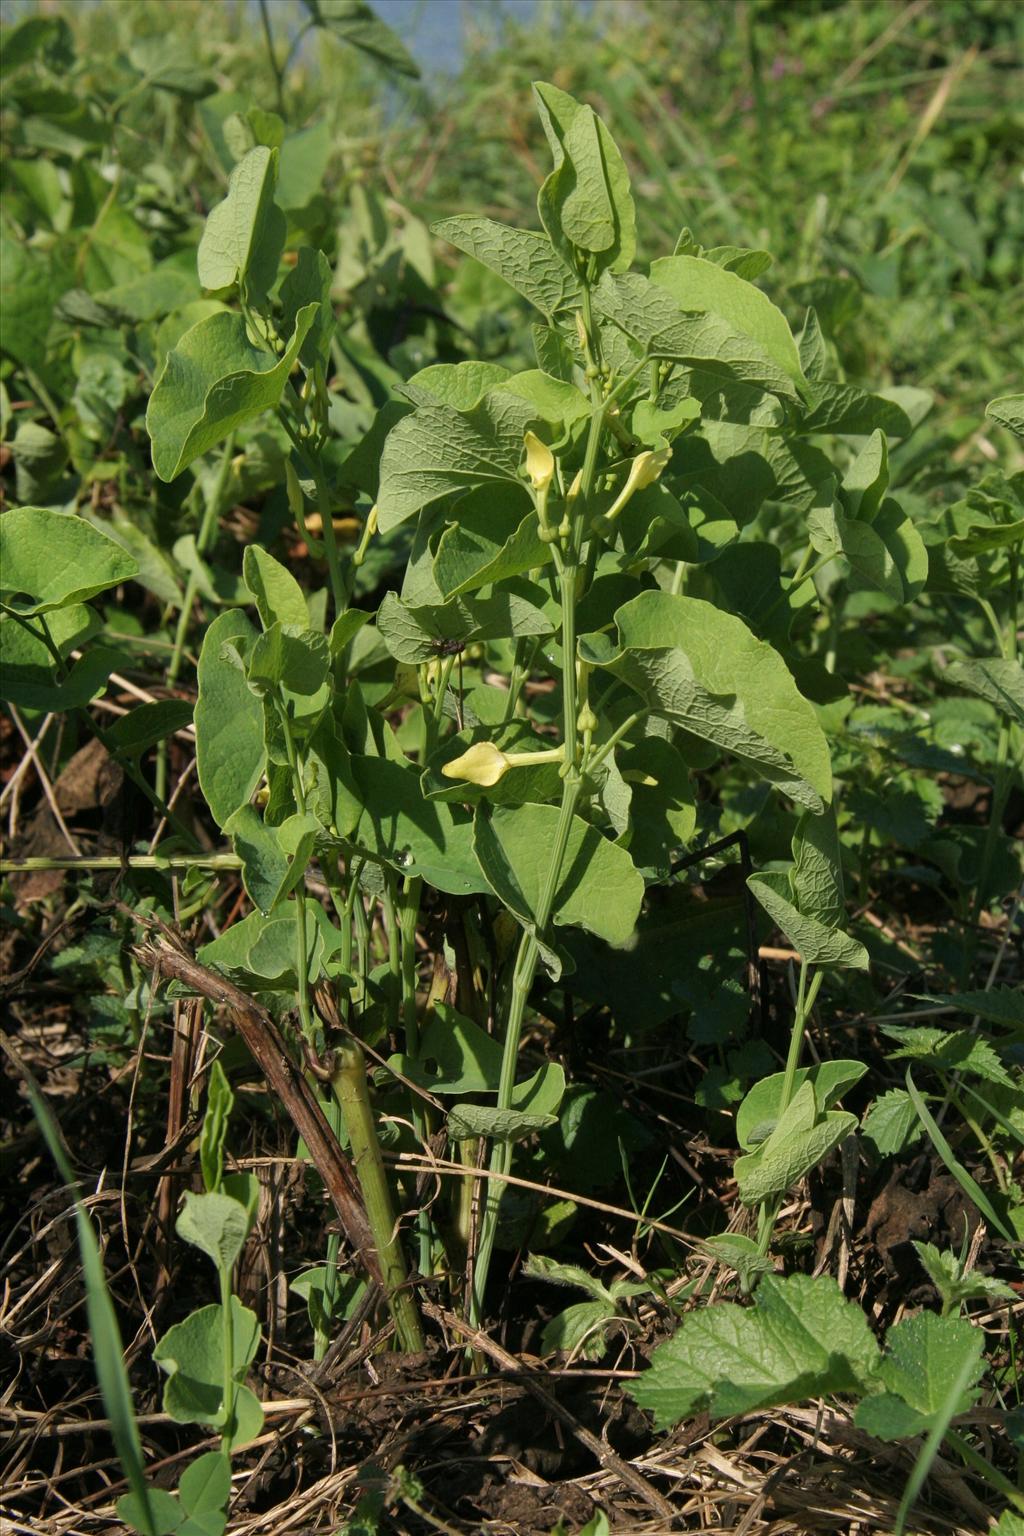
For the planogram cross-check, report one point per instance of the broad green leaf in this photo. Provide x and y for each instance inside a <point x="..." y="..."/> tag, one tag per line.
<point x="541" y="1094"/>
<point x="439" y="451"/>
<point x="266" y="867"/>
<point x="460" y="385"/>
<point x="1000" y="1005"/>
<point x="466" y="1121"/>
<point x="310" y="282"/>
<point x="892" y="1123"/>
<point x="539" y="1266"/>
<point x="49" y="560"/>
<point x="585" y="204"/>
<point x="166" y="63"/>
<point x="758" y="1115"/>
<point x="707" y="672"/>
<point x="813" y="351"/>
<point x="30" y="285"/>
<point x="552" y="400"/>
<point x="662" y="808"/>
<point x="192" y="1355"/>
<point x="34" y="35"/>
<point x="923" y="1355"/>
<point x="524" y="259"/>
<point x="954" y="1283"/>
<point x="416" y="836"/>
<point x="205" y="1484"/>
<point x="215" y="1224"/>
<point x="356" y="23"/>
<point x="815" y="943"/>
<point x="276" y="593"/>
<point x="701" y="286"/>
<point x="653" y="319"/>
<point x="245" y="234"/>
<point x="455" y="1056"/>
<point x="831" y="533"/>
<point x="799" y="1141"/>
<point x="495" y="537"/>
<point x="1008" y="411"/>
<point x="147" y="724"/>
<point x="802" y="1339"/>
<point x="333" y="796"/>
<point x="844" y="408"/>
<point x="421" y="634"/>
<point x="995" y="679"/>
<point x="867" y="479"/>
<point x="219" y="1103"/>
<point x="230" y="749"/>
<point x="212" y="381"/>
<point x="961" y="1051"/>
<point x="905" y="545"/>
<point x="305" y="156"/>
<point x="31" y="685"/>
<point x="599" y="888"/>
<point x="741" y="1254"/>
<point x="161" y="1516"/>
<point x="290" y="657"/>
<point x="259" y="951"/>
<point x="580" y="1330"/>
<point x="817" y="874"/>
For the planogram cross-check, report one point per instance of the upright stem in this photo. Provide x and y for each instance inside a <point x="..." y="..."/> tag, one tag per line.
<point x="805" y="997"/>
<point x="274" y="65"/>
<point x="409" y="914"/>
<point x="207" y="527"/>
<point x="350" y="1087"/>
<point x="529" y="945"/>
<point x="301" y="931"/>
<point x="228" y="1346"/>
<point x="573" y="578"/>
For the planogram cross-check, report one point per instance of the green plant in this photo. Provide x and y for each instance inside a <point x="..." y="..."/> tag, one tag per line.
<point x="556" y="619"/>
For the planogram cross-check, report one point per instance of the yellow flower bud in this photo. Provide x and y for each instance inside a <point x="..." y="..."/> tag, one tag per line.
<point x="540" y="462"/>
<point x="482" y="764"/>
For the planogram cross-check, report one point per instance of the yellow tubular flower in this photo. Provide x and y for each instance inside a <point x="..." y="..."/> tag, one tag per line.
<point x="540" y="462"/>
<point x="484" y="763"/>
<point x="643" y="471"/>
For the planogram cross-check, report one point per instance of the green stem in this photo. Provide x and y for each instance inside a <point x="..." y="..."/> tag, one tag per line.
<point x="351" y="1090"/>
<point x="600" y="753"/>
<point x="522" y="981"/>
<point x="394" y="952"/>
<point x="805" y="998"/>
<point x="207" y="527"/>
<point x="299" y="899"/>
<point x="321" y="1338"/>
<point x="212" y="861"/>
<point x="409" y="913"/>
<point x="529" y="946"/>
<point x="274" y="66"/>
<point x="313" y="463"/>
<point x="228" y="1372"/>
<point x="567" y="566"/>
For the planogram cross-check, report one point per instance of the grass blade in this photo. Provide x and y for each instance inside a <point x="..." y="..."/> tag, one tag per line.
<point x="930" y="1448"/>
<point x="108" y="1355"/>
<point x="969" y="1186"/>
